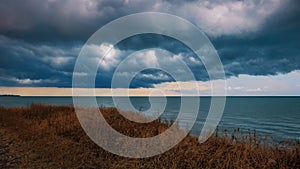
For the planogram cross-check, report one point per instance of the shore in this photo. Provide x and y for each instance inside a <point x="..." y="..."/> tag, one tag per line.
<point x="41" y="136"/>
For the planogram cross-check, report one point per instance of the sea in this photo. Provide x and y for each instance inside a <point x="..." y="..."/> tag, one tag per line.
<point x="275" y="117"/>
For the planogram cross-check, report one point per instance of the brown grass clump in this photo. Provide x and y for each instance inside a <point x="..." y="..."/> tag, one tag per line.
<point x="41" y="136"/>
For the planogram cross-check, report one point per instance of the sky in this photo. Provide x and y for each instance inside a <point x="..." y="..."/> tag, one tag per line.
<point x="258" y="43"/>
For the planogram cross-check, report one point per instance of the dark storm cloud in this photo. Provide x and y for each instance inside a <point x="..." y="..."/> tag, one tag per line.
<point x="149" y="40"/>
<point x="273" y="50"/>
<point x="36" y="20"/>
<point x="149" y="77"/>
<point x="25" y="64"/>
<point x="54" y="20"/>
<point x="40" y="39"/>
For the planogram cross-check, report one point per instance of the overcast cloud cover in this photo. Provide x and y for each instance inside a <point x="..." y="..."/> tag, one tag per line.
<point x="40" y="39"/>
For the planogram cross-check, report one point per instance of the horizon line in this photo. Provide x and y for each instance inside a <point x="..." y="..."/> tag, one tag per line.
<point x="107" y="92"/>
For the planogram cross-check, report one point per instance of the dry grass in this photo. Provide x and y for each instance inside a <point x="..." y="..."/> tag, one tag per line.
<point x="51" y="137"/>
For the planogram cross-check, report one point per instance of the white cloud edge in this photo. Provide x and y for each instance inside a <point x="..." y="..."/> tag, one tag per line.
<point x="288" y="85"/>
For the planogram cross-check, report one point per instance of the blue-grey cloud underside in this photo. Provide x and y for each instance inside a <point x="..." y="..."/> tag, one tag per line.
<point x="40" y="40"/>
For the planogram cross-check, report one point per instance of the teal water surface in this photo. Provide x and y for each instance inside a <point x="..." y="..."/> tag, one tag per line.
<point x="277" y="117"/>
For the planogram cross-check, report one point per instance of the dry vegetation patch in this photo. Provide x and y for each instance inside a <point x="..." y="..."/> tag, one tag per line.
<point x="42" y="136"/>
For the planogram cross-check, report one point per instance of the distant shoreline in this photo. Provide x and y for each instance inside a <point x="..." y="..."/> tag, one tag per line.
<point x="10" y="95"/>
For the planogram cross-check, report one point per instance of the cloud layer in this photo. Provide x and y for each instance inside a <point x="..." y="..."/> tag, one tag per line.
<point x="78" y="19"/>
<point x="40" y="39"/>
